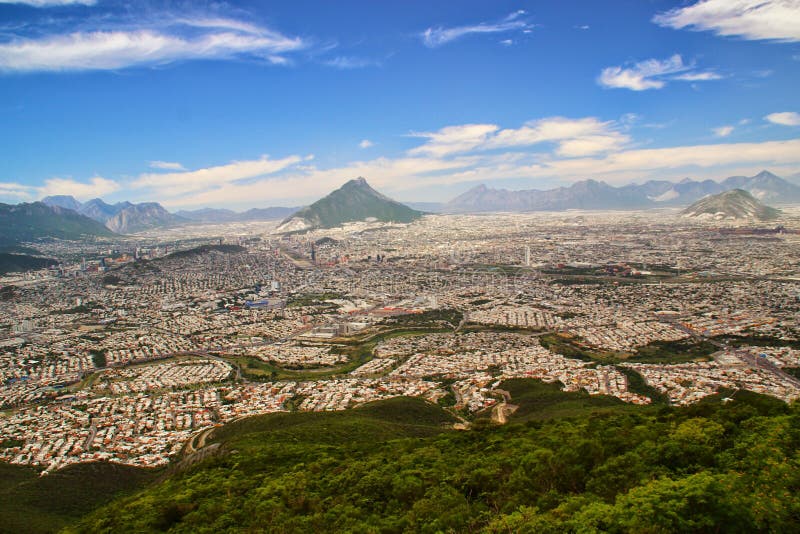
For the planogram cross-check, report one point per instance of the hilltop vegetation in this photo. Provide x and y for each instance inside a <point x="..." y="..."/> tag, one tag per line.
<point x="12" y="263"/>
<point x="30" y="503"/>
<point x="391" y="467"/>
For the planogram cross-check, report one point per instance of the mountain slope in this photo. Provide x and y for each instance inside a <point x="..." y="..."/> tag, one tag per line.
<point x="354" y="201"/>
<point x="28" y="222"/>
<point x="101" y="211"/>
<point x="62" y="201"/>
<point x="617" y="469"/>
<point x="733" y="204"/>
<point x="139" y="217"/>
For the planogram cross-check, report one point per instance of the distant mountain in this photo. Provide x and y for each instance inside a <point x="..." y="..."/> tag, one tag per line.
<point x="211" y="215"/>
<point x="430" y="207"/>
<point x="733" y="204"/>
<point x="588" y="194"/>
<point x="100" y="211"/>
<point x="267" y="214"/>
<point x="208" y="215"/>
<point x="354" y="201"/>
<point x="62" y="201"/>
<point x="591" y="194"/>
<point x="140" y="217"/>
<point x="31" y="221"/>
<point x="122" y="217"/>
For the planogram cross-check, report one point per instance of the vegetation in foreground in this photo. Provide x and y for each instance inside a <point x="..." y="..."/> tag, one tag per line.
<point x="391" y="467"/>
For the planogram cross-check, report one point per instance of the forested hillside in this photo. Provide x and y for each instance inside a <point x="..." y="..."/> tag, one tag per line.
<point x="729" y="466"/>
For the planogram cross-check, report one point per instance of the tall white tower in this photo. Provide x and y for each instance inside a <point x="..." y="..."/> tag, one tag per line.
<point x="527" y="256"/>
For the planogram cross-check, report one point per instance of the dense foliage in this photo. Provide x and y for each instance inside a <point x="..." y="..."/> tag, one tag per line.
<point x="712" y="467"/>
<point x="14" y="263"/>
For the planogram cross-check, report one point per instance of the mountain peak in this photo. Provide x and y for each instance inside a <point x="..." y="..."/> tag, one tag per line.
<point x="765" y="174"/>
<point x="62" y="201"/>
<point x="354" y="201"/>
<point x="731" y="204"/>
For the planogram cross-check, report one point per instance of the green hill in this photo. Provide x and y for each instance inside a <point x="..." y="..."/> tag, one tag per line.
<point x="13" y="263"/>
<point x="29" y="222"/>
<point x="391" y="467"/>
<point x="354" y="201"/>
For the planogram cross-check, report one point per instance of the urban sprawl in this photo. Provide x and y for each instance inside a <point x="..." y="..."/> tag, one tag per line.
<point x="130" y="350"/>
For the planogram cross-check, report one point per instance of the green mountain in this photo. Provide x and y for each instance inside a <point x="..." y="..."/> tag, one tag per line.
<point x="733" y="204"/>
<point x="393" y="466"/>
<point x="354" y="201"/>
<point x="29" y="222"/>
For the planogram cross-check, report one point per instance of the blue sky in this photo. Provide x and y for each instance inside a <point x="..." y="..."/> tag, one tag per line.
<point x="246" y="104"/>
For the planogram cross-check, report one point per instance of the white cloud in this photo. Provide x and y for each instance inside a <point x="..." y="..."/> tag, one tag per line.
<point x="749" y="19"/>
<point x="506" y="42"/>
<point x="575" y="137"/>
<point x="109" y="50"/>
<point x="96" y="187"/>
<point x="175" y="184"/>
<point x="698" y="76"/>
<point x="723" y="131"/>
<point x="784" y="118"/>
<point x="433" y="37"/>
<point x="15" y="191"/>
<point x="310" y="183"/>
<point x="365" y="143"/>
<point x="350" y="62"/>
<point x="652" y="74"/>
<point x="454" y="139"/>
<point x="405" y="174"/>
<point x="50" y="3"/>
<point x="167" y="165"/>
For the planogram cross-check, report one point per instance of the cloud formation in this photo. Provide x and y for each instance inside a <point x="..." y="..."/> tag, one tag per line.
<point x="178" y="40"/>
<point x="176" y="184"/>
<point x="723" y="131"/>
<point x="775" y="20"/>
<point x="574" y="137"/>
<point x="351" y="62"/>
<point x="365" y="143"/>
<point x="784" y="118"/>
<point x="652" y="74"/>
<point x="96" y="187"/>
<point x="434" y="37"/>
<point x="167" y="165"/>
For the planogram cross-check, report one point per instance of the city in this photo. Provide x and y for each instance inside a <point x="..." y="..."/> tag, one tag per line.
<point x="127" y="363"/>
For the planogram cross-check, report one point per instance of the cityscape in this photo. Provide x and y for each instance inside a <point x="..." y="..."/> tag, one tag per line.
<point x="125" y="359"/>
<point x="399" y="267"/>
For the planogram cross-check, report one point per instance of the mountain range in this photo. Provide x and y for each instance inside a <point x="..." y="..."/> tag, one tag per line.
<point x="122" y="217"/>
<point x="31" y="221"/>
<point x="733" y="204"/>
<point x="593" y="194"/>
<point x="354" y="201"/>
<point x="212" y="215"/>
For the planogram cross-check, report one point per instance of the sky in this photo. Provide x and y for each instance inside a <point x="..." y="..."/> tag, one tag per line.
<point x="254" y="104"/>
